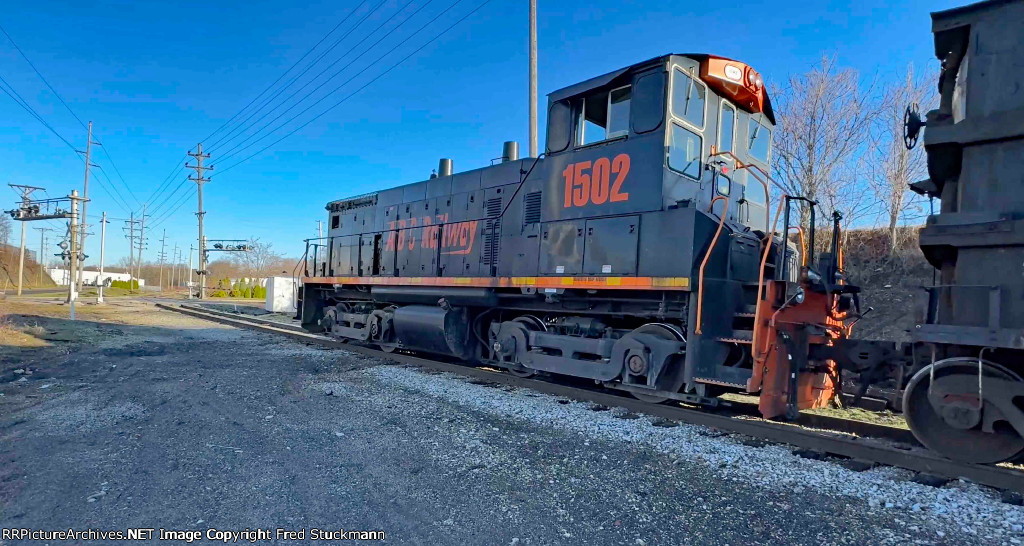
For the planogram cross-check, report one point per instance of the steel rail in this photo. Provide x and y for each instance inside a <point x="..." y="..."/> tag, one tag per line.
<point x="865" y="449"/>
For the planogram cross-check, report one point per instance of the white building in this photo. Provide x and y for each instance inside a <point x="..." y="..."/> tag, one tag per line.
<point x="90" y="278"/>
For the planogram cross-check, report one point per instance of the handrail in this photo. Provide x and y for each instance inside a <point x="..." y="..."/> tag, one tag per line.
<point x="707" y="256"/>
<point x="760" y="285"/>
<point x="757" y="171"/>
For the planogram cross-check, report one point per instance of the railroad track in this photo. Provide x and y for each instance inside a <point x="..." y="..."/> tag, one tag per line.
<point x="856" y="440"/>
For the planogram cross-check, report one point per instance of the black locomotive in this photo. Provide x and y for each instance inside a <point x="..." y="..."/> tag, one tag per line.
<point x="639" y="251"/>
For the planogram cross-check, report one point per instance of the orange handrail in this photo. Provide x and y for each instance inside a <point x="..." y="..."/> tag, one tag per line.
<point x="759" y="174"/>
<point x="760" y="285"/>
<point x="707" y="256"/>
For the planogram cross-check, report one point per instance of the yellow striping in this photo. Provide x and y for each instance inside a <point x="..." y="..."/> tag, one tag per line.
<point x="622" y="283"/>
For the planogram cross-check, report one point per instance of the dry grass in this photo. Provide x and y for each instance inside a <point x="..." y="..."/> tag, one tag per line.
<point x="13" y="335"/>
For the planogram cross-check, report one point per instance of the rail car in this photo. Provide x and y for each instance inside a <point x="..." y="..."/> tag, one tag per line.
<point x="639" y="251"/>
<point x="964" y="366"/>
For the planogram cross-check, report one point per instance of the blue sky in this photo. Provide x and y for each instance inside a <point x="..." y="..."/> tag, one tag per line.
<point x="156" y="77"/>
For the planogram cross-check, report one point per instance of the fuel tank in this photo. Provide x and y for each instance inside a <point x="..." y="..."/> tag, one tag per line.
<point x="433" y="329"/>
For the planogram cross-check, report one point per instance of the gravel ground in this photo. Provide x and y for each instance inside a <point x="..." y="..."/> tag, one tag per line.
<point x="182" y="424"/>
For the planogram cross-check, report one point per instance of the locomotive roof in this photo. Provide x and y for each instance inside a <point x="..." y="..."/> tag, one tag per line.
<point x="942" y="20"/>
<point x="605" y="79"/>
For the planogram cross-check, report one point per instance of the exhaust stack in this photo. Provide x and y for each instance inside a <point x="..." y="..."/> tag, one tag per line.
<point x="510" y="151"/>
<point x="445" y="167"/>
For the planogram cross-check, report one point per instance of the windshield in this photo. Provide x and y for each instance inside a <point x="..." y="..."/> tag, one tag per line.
<point x="759" y="139"/>
<point x="688" y="97"/>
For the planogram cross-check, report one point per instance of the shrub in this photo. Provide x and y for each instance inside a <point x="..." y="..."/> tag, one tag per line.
<point x="126" y="285"/>
<point x="219" y="294"/>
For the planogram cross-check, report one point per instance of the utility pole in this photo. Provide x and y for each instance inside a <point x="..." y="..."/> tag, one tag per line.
<point x="320" y="229"/>
<point x="533" y="78"/>
<point x="131" y="221"/>
<point x="142" y="242"/>
<point x="200" y="180"/>
<point x="190" y="249"/>
<point x="73" y="229"/>
<point x="26" y="197"/>
<point x="103" y="254"/>
<point x="42" y="246"/>
<point x="85" y="201"/>
<point x="174" y="267"/>
<point x="163" y="244"/>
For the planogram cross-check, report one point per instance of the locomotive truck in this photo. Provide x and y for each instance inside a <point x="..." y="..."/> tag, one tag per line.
<point x="639" y="251"/>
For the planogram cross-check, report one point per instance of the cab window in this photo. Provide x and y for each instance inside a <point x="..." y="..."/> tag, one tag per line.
<point x="603" y="116"/>
<point x="684" y="151"/>
<point x="759" y="139"/>
<point x="688" y="98"/>
<point x="618" y="112"/>
<point x="723" y="184"/>
<point x="726" y="127"/>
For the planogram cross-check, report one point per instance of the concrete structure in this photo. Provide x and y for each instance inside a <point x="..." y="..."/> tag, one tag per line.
<point x="90" y="278"/>
<point x="281" y="294"/>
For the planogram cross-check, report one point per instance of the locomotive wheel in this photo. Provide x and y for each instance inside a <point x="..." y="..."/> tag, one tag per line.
<point x="329" y="319"/>
<point x="971" y="445"/>
<point x="532" y="324"/>
<point x="663" y="331"/>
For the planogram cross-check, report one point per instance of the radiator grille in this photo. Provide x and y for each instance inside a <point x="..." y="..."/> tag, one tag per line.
<point x="492" y="232"/>
<point x="531" y="208"/>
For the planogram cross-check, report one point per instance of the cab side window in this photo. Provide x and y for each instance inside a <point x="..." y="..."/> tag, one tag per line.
<point x="726" y="128"/>
<point x="603" y="116"/>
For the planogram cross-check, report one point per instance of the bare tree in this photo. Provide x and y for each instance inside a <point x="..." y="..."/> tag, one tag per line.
<point x="126" y="264"/>
<point x="823" y="117"/>
<point x="893" y="166"/>
<point x="257" y="262"/>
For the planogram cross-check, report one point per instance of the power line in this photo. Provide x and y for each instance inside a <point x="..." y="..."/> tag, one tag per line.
<point x="169" y="195"/>
<point x="335" y="74"/>
<point x="36" y="70"/>
<point x="72" y="112"/>
<point x="364" y="86"/>
<point x="283" y="74"/>
<point x="163" y="185"/>
<point x="13" y="93"/>
<point x="170" y="212"/>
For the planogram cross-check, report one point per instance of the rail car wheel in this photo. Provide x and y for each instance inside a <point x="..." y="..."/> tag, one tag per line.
<point x="532" y="324"/>
<point x="955" y="429"/>
<point x="664" y="331"/>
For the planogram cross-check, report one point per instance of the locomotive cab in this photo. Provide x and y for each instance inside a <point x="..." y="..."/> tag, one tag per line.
<point x="704" y="110"/>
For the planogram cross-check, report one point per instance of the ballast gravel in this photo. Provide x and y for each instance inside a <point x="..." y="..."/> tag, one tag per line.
<point x="959" y="512"/>
<point x="187" y="425"/>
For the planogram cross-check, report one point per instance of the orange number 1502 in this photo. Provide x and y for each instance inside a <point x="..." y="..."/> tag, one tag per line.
<point x="589" y="182"/>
